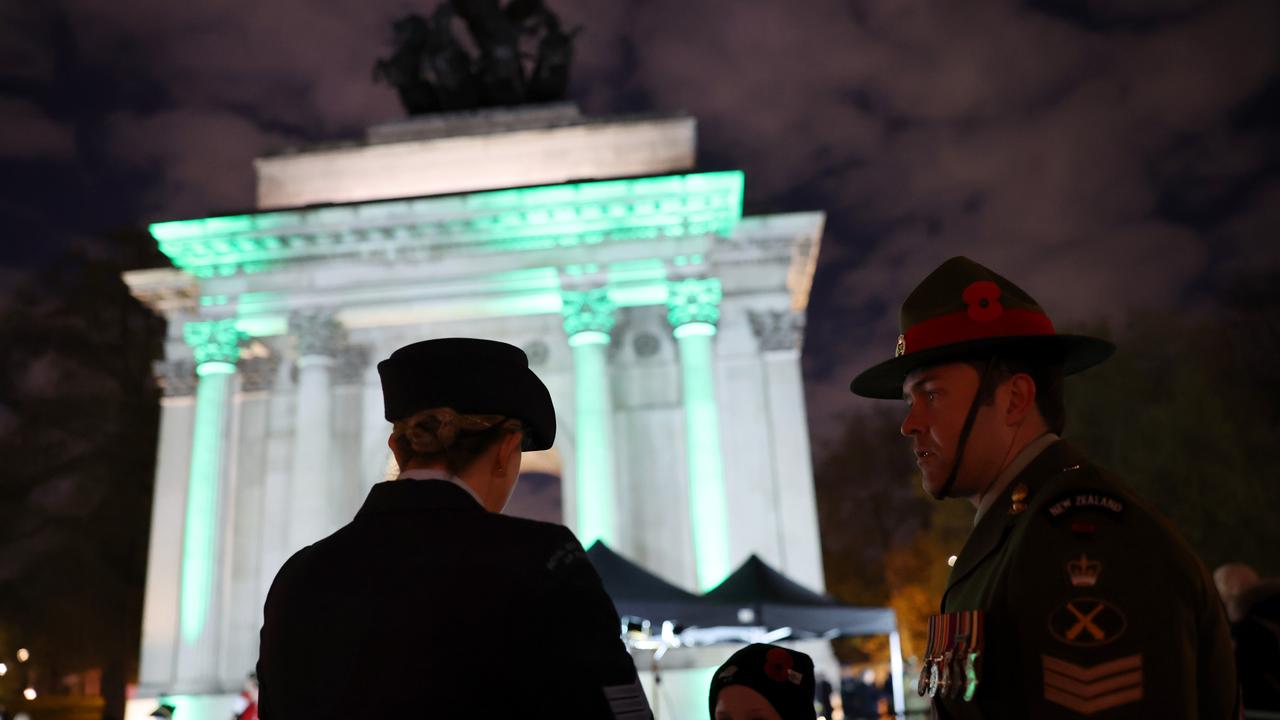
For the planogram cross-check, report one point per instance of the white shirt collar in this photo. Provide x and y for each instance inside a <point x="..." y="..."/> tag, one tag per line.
<point x="433" y="474"/>
<point x="1020" y="462"/>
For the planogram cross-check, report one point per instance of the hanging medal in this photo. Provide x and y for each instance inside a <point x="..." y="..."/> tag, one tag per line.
<point x="948" y="640"/>
<point x="937" y="643"/>
<point x="922" y="685"/>
<point x="955" y="659"/>
<point x="973" y="658"/>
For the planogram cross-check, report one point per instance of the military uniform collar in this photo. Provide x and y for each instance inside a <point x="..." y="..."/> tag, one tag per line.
<point x="993" y="528"/>
<point x="398" y="496"/>
<point x="1006" y="476"/>
<point x="430" y="474"/>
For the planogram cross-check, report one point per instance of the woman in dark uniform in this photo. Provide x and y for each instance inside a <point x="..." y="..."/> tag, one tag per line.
<point x="432" y="604"/>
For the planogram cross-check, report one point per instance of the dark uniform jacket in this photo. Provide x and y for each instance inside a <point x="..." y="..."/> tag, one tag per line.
<point x="427" y="606"/>
<point x="1257" y="638"/>
<point x="1092" y="605"/>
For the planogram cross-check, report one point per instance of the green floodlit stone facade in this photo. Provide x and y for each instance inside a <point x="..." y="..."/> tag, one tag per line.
<point x="534" y="218"/>
<point x="694" y="300"/>
<point x="588" y="310"/>
<point x="216" y="345"/>
<point x="214" y="341"/>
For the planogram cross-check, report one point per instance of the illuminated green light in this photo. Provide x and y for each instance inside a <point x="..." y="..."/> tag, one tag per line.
<point x="588" y="310"/>
<point x="593" y="447"/>
<point x="215" y="368"/>
<point x="589" y="317"/>
<point x="213" y="340"/>
<point x="216" y="345"/>
<point x="693" y="329"/>
<point x="544" y="217"/>
<point x="640" y="295"/>
<point x="589" y="337"/>
<point x="708" y="504"/>
<point x="693" y="308"/>
<point x="199" y="545"/>
<point x="694" y="300"/>
<point x="263" y="326"/>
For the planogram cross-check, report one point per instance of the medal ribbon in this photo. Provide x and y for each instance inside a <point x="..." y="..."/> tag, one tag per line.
<point x="950" y="627"/>
<point x="922" y="687"/>
<point x="976" y="639"/>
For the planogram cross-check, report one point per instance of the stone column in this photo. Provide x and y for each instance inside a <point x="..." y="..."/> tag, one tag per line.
<point x="160" y="620"/>
<point x="779" y="333"/>
<point x="693" y="309"/>
<point x="217" y="349"/>
<point x="244" y="592"/>
<point x="319" y="337"/>
<point x="589" y="317"/>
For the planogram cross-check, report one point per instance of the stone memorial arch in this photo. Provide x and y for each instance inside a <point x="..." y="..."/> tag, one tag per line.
<point x="666" y="324"/>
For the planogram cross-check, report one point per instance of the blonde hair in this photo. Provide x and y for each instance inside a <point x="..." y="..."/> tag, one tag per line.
<point x="445" y="435"/>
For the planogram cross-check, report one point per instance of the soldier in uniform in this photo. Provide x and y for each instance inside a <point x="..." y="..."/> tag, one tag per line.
<point x="430" y="603"/>
<point x="1072" y="597"/>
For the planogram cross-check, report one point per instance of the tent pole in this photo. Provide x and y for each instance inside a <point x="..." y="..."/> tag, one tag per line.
<point x="895" y="666"/>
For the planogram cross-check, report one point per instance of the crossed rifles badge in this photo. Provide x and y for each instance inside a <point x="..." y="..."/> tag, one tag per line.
<point x="1087" y="622"/>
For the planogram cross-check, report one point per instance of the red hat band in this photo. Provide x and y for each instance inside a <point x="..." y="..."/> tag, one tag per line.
<point x="959" y="327"/>
<point x="984" y="317"/>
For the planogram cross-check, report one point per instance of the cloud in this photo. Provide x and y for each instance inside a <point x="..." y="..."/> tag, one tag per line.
<point x="1086" y="150"/>
<point x="31" y="134"/>
<point x="290" y="64"/>
<point x="203" y="157"/>
<point x="24" y="56"/>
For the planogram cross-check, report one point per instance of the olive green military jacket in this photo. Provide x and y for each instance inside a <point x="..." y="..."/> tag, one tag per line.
<point x="1092" y="605"/>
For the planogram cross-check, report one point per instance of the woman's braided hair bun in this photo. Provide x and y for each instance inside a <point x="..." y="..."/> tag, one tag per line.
<point x="436" y="430"/>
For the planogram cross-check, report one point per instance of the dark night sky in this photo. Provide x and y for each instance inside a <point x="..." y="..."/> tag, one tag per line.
<point x="1108" y="155"/>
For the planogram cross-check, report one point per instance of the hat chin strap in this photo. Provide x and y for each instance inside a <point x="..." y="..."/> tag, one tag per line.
<point x="963" y="441"/>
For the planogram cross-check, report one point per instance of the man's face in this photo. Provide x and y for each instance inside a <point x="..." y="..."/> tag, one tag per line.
<point x="938" y="399"/>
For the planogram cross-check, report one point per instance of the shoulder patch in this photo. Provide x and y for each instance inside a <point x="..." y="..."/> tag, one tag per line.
<point x="565" y="555"/>
<point x="1069" y="503"/>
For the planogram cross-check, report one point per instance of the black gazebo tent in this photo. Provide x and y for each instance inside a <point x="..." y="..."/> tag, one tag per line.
<point x="757" y="595"/>
<point x="755" y="598"/>
<point x="637" y="592"/>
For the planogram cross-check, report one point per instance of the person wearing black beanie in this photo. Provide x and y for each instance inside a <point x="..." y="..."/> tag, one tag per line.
<point x="763" y="682"/>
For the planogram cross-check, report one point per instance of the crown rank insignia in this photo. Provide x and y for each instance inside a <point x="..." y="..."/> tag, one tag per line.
<point x="1084" y="572"/>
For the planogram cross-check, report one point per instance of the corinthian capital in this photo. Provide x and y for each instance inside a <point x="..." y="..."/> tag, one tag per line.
<point x="777" y="329"/>
<point x="588" y="311"/>
<point x="214" y="341"/>
<point x="316" y="332"/>
<point x="694" y="300"/>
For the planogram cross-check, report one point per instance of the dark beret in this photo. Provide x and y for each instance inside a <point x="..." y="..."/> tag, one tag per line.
<point x="474" y="377"/>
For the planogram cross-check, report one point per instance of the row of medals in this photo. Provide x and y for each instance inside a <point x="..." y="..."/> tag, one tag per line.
<point x="952" y="659"/>
<point x="954" y="675"/>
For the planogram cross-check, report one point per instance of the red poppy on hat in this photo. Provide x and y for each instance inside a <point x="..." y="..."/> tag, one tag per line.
<point x="962" y="311"/>
<point x="777" y="664"/>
